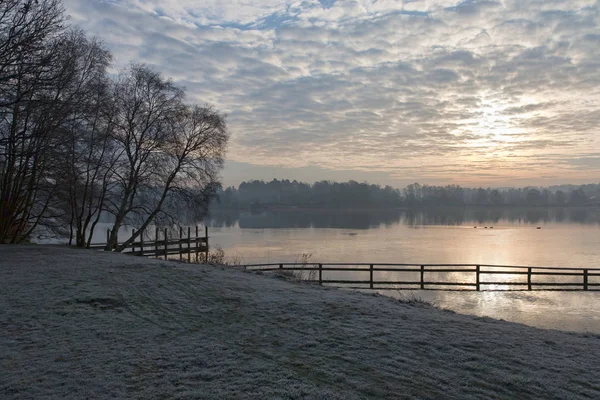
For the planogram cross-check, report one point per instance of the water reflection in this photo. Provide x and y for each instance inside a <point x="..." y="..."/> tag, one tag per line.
<point x="568" y="238"/>
<point x="373" y="218"/>
<point x="572" y="240"/>
<point x="572" y="311"/>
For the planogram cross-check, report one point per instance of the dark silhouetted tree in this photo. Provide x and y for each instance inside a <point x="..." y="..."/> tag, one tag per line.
<point x="36" y="98"/>
<point x="171" y="151"/>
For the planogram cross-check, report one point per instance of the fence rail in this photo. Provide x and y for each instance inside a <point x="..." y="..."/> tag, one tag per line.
<point x="506" y="276"/>
<point x="184" y="245"/>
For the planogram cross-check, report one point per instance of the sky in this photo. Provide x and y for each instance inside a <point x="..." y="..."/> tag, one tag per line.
<point x="476" y="93"/>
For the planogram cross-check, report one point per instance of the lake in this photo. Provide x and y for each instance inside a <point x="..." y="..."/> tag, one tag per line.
<point x="568" y="237"/>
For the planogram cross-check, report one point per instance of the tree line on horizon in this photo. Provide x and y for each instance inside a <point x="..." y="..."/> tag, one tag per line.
<point x="77" y="142"/>
<point x="352" y="194"/>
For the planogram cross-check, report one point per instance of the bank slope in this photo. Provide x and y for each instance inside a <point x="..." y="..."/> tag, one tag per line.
<point x="78" y="324"/>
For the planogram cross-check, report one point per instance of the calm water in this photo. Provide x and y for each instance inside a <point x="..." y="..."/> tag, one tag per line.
<point x="567" y="238"/>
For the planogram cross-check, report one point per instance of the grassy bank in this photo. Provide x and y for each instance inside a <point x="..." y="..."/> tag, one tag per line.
<point x="76" y="324"/>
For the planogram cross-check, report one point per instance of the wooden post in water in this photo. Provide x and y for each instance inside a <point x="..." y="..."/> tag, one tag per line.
<point x="529" y="278"/>
<point x="108" y="238"/>
<point x="189" y="244"/>
<point x="196" y="241"/>
<point x="477" y="285"/>
<point x="142" y="243"/>
<point x="166" y="244"/>
<point x="585" y="279"/>
<point x="206" y="236"/>
<point x="422" y="277"/>
<point x="371" y="276"/>
<point x="321" y="274"/>
<point x="133" y="242"/>
<point x="180" y="244"/>
<point x="156" y="243"/>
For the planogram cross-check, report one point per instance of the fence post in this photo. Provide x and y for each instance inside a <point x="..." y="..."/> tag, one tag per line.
<point x="422" y="277"/>
<point x="108" y="238"/>
<point x="142" y="243"/>
<point x="529" y="278"/>
<point x="166" y="244"/>
<point x="477" y="277"/>
<point x="196" y="242"/>
<point x="321" y="274"/>
<point x="180" y="244"/>
<point x="189" y="244"/>
<point x="206" y="236"/>
<point x="371" y="275"/>
<point x="133" y="242"/>
<point x="156" y="243"/>
<point x="585" y="279"/>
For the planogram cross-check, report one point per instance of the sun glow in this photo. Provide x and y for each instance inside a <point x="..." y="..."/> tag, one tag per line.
<point x="494" y="125"/>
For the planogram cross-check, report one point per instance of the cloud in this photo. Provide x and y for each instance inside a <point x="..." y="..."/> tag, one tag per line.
<point x="587" y="162"/>
<point x="390" y="86"/>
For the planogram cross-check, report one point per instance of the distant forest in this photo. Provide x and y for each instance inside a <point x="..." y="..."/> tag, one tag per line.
<point x="325" y="194"/>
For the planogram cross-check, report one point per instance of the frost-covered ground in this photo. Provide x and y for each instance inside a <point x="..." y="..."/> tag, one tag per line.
<point x="78" y="324"/>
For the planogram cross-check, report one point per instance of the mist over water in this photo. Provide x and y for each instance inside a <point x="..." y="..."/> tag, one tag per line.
<point x="569" y="237"/>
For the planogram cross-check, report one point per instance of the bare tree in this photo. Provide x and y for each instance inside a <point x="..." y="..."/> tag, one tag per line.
<point x="31" y="111"/>
<point x="84" y="176"/>
<point x="26" y="27"/>
<point x="186" y="175"/>
<point x="170" y="151"/>
<point x="145" y="107"/>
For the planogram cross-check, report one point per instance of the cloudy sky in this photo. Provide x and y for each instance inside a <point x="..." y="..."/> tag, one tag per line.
<point x="494" y="93"/>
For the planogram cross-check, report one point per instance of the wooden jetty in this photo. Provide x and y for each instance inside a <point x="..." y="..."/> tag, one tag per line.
<point x="186" y="243"/>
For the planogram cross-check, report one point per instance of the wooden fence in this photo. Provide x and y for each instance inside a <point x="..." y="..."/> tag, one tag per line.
<point x="185" y="245"/>
<point x="484" y="277"/>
